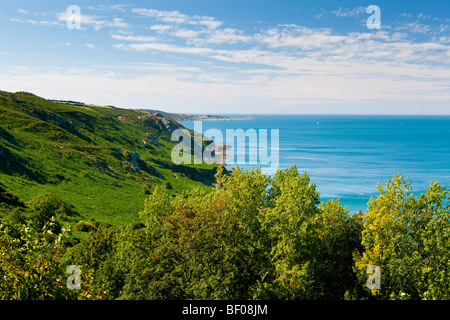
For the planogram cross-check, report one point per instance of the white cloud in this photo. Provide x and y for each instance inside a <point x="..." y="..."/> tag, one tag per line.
<point x="160" y="28"/>
<point x="117" y="23"/>
<point x="90" y="45"/>
<point x="186" y="33"/>
<point x="96" y="22"/>
<point x="226" y="36"/>
<point x="300" y="37"/>
<point x="165" y="16"/>
<point x="405" y="15"/>
<point x="134" y="38"/>
<point x="281" y="66"/>
<point x="345" y="13"/>
<point x="23" y="11"/>
<point x="176" y="17"/>
<point x="203" y="35"/>
<point x="37" y="22"/>
<point x="153" y="66"/>
<point x="117" y="7"/>
<point x="317" y="44"/>
<point x="61" y="19"/>
<point x="141" y="47"/>
<point x="205" y="90"/>
<point x="422" y="24"/>
<point x="415" y="27"/>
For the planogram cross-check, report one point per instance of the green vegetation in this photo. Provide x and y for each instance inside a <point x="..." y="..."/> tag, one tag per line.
<point x="102" y="160"/>
<point x="250" y="237"/>
<point x="410" y="239"/>
<point x="78" y="187"/>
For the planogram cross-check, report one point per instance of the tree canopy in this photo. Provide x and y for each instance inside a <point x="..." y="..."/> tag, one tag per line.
<point x="253" y="236"/>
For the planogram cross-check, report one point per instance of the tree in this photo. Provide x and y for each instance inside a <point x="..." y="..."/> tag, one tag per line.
<point x="409" y="239"/>
<point x="96" y="254"/>
<point x="292" y="204"/>
<point x="336" y="238"/>
<point x="32" y="266"/>
<point x="251" y="237"/>
<point x="200" y="245"/>
<point x="312" y="242"/>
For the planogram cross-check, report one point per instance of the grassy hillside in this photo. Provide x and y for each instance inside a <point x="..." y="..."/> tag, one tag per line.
<point x="103" y="160"/>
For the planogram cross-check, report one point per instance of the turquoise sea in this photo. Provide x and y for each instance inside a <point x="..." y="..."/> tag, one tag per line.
<point x="347" y="155"/>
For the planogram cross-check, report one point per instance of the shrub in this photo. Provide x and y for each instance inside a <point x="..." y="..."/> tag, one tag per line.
<point x="48" y="205"/>
<point x="84" y="226"/>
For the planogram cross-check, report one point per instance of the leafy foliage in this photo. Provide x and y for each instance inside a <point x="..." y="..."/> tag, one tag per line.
<point x="31" y="266"/>
<point x="251" y="237"/>
<point x="243" y="240"/>
<point x="409" y="239"/>
<point x="45" y="206"/>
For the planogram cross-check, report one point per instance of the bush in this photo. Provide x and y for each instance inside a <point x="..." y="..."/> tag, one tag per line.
<point x="407" y="236"/>
<point x="45" y="206"/>
<point x="32" y="266"/>
<point x="84" y="226"/>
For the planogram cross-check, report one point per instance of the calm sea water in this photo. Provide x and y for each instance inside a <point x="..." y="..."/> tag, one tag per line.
<point x="347" y="155"/>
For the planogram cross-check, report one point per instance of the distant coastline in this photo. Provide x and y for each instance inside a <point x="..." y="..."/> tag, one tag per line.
<point x="197" y="117"/>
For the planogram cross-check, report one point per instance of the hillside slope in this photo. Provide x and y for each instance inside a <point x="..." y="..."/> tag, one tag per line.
<point x="103" y="160"/>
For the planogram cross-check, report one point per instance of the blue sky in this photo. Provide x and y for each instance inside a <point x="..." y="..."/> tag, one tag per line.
<point x="232" y="56"/>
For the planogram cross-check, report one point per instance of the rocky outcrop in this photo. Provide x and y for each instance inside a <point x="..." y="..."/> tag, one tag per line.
<point x="169" y="125"/>
<point x="60" y="121"/>
<point x="138" y="164"/>
<point x="135" y="159"/>
<point x="106" y="169"/>
<point x="152" y="139"/>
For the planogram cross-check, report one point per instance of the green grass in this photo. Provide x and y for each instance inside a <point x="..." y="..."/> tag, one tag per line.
<point x="82" y="153"/>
